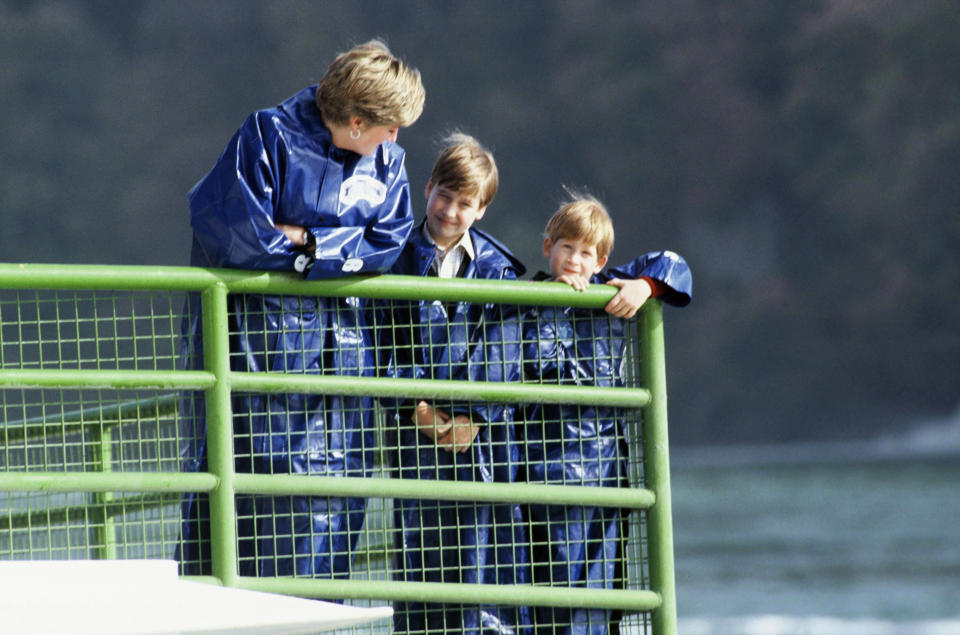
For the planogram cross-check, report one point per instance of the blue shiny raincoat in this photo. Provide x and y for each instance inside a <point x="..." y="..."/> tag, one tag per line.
<point x="282" y="167"/>
<point x="582" y="445"/>
<point x="445" y="541"/>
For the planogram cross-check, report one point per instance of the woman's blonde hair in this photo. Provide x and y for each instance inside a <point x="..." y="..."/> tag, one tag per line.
<point x="369" y="82"/>
<point x="466" y="167"/>
<point x="582" y="217"/>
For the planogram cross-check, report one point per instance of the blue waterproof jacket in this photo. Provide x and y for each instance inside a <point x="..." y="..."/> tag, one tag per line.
<point x="282" y="167"/>
<point x="445" y="541"/>
<point x="583" y="445"/>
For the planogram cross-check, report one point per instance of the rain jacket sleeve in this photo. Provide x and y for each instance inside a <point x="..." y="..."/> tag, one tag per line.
<point x="232" y="209"/>
<point x="281" y="167"/>
<point x="666" y="267"/>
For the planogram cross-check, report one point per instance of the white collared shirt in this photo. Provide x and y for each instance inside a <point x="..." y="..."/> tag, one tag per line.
<point x="447" y="262"/>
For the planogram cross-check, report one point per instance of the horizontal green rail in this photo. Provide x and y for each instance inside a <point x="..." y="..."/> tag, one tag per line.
<point x="286" y="484"/>
<point x="439" y="389"/>
<point x="118" y="379"/>
<point x="515" y="595"/>
<point x="44" y="276"/>
<point x="327" y="384"/>
<point x="108" y="482"/>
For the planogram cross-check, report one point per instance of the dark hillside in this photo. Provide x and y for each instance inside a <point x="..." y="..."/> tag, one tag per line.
<point x="803" y="156"/>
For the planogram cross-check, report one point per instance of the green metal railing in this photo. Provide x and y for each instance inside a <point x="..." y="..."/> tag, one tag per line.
<point x="28" y="365"/>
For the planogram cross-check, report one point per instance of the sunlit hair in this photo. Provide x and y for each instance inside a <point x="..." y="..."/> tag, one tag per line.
<point x="369" y="82"/>
<point x="582" y="217"/>
<point x="466" y="167"/>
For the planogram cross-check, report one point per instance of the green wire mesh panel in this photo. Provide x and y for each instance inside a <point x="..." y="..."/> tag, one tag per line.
<point x="461" y="505"/>
<point x="438" y="536"/>
<point x="88" y="430"/>
<point x="89" y="329"/>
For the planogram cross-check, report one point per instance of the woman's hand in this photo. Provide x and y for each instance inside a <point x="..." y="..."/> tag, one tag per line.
<point x="295" y="233"/>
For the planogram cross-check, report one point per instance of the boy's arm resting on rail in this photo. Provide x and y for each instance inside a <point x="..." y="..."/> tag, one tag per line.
<point x="630" y="297"/>
<point x="660" y="274"/>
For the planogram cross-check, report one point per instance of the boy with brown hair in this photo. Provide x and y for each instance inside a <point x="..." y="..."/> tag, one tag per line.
<point x="446" y="541"/>
<point x="584" y="445"/>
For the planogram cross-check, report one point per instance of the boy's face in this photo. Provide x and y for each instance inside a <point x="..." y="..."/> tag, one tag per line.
<point x="450" y="214"/>
<point x="573" y="257"/>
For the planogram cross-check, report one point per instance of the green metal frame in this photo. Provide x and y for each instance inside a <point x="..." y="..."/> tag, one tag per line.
<point x="223" y="484"/>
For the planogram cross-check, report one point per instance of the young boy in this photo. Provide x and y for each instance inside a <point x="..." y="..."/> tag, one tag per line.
<point x="446" y="541"/>
<point x="584" y="445"/>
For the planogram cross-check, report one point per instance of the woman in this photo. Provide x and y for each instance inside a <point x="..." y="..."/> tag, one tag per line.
<point x="315" y="185"/>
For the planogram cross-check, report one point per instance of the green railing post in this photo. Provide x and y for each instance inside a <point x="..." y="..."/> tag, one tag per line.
<point x="219" y="422"/>
<point x="107" y="542"/>
<point x="656" y="467"/>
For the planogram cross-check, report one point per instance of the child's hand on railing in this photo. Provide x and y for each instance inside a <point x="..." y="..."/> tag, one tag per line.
<point x="578" y="282"/>
<point x="630" y="297"/>
<point x="431" y="422"/>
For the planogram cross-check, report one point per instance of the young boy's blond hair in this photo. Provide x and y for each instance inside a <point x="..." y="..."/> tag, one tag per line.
<point x="585" y="218"/>
<point x="369" y="82"/>
<point x="466" y="167"/>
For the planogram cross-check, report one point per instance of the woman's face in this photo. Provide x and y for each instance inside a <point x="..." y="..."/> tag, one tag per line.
<point x="370" y="138"/>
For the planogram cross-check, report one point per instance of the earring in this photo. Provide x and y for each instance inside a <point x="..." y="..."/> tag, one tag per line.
<point x="355" y="133"/>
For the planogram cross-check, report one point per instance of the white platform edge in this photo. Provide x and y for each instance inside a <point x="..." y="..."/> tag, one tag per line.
<point x="146" y="597"/>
